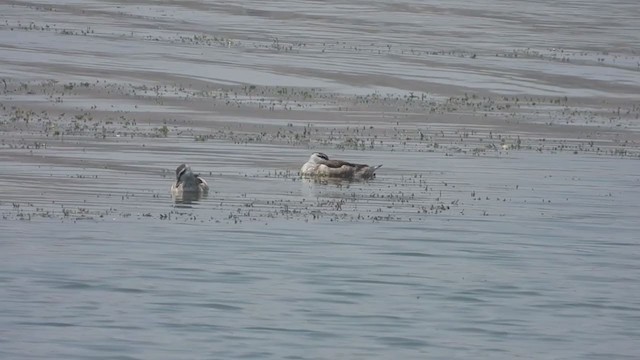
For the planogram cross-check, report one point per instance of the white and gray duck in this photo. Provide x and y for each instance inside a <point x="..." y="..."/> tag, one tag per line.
<point x="187" y="182"/>
<point x="319" y="165"/>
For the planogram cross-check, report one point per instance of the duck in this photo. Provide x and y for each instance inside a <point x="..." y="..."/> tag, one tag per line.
<point x="319" y="165"/>
<point x="188" y="182"/>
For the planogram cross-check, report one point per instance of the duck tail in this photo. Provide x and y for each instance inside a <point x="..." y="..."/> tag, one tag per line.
<point x="372" y="171"/>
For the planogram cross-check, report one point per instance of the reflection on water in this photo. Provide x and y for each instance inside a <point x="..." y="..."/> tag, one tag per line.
<point x="189" y="197"/>
<point x="338" y="182"/>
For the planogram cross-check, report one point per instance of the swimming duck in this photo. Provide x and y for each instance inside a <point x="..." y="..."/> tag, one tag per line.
<point x="188" y="182"/>
<point x="320" y="165"/>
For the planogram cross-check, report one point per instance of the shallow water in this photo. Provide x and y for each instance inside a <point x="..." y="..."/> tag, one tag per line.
<point x="539" y="47"/>
<point x="535" y="260"/>
<point x="503" y="223"/>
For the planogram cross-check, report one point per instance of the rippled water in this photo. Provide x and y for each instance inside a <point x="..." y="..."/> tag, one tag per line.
<point x="538" y="47"/>
<point x="535" y="260"/>
<point x="471" y="248"/>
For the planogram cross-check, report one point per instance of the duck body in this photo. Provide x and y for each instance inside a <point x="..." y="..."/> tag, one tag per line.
<point x="319" y="165"/>
<point x="188" y="182"/>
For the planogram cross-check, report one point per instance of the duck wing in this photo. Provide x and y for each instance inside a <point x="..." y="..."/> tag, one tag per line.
<point x="338" y="164"/>
<point x="201" y="181"/>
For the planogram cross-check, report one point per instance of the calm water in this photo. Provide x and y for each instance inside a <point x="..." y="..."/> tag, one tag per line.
<point x="510" y="254"/>
<point x="542" y="262"/>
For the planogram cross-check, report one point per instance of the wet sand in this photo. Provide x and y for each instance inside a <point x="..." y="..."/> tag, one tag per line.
<point x="509" y="141"/>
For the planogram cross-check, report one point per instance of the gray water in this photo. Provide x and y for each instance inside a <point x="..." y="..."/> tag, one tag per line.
<point x="464" y="246"/>
<point x="545" y="270"/>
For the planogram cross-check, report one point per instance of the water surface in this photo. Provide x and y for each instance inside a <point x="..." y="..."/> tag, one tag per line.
<point x="503" y="223"/>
